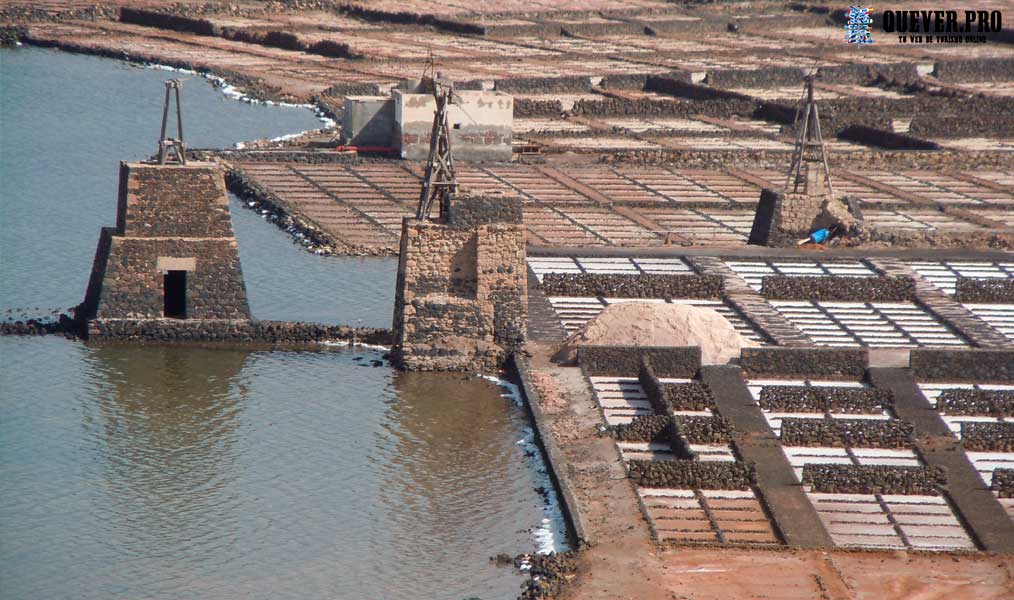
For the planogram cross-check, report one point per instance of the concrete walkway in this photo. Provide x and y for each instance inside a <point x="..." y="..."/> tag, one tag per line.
<point x="791" y="510"/>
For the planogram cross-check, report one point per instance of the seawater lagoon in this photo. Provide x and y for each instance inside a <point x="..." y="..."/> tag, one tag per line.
<point x="169" y="472"/>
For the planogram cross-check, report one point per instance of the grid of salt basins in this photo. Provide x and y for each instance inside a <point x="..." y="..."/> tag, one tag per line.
<point x="981" y="415"/>
<point x="651" y="445"/>
<point x="574" y="312"/>
<point x="868" y="324"/>
<point x="849" y="324"/>
<point x="946" y="275"/>
<point x="850" y="424"/>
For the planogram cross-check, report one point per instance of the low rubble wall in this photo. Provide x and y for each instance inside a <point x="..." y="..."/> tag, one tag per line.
<point x="699" y="429"/>
<point x="851" y="433"/>
<point x="986" y="291"/>
<point x="979" y="403"/>
<point x="1003" y="483"/>
<point x="796" y="398"/>
<point x="818" y="363"/>
<point x="640" y="285"/>
<point x="644" y="428"/>
<point x="690" y="474"/>
<point x="976" y="365"/>
<point x="231" y="331"/>
<point x="874" y="479"/>
<point x="844" y="289"/>
<point x="988" y="437"/>
<point x="625" y="361"/>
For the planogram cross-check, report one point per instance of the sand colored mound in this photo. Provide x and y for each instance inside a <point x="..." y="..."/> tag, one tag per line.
<point x="659" y="324"/>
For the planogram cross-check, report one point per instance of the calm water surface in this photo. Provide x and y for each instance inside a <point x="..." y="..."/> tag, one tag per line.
<point x="180" y="473"/>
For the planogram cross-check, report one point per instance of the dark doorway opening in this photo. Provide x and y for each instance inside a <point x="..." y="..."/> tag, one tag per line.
<point x="175" y="294"/>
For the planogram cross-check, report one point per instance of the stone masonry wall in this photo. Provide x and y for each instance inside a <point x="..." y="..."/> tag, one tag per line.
<point x="133" y="283"/>
<point x="169" y="218"/>
<point x="180" y="200"/>
<point x="461" y="300"/>
<point x="782" y="219"/>
<point x="988" y="436"/>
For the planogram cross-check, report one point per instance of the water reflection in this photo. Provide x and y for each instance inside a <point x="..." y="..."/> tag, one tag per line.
<point x="458" y="471"/>
<point x="167" y="421"/>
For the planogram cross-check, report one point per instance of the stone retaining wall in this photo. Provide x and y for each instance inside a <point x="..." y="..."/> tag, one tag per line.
<point x="988" y="437"/>
<point x="690" y="474"/>
<point x="795" y="398"/>
<point x="231" y="332"/>
<point x="817" y="363"/>
<point x="987" y="291"/>
<point x="874" y="479"/>
<point x="858" y="433"/>
<point x="975" y="365"/>
<point x="633" y="285"/>
<point x="838" y="288"/>
<point x="353" y="88"/>
<point x="980" y="403"/>
<point x="625" y="361"/>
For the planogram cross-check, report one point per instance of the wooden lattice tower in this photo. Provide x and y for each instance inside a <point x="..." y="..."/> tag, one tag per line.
<point x="172" y="150"/>
<point x="809" y="144"/>
<point x="440" y="182"/>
